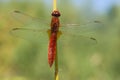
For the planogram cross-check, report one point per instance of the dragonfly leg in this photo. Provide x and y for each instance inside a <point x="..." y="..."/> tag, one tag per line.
<point x="49" y="32"/>
<point x="59" y="34"/>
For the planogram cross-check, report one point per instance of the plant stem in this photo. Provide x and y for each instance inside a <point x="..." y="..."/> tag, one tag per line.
<point x="56" y="56"/>
<point x="56" y="66"/>
<point x="54" y="5"/>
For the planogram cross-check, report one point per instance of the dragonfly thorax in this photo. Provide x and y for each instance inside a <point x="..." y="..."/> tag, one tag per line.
<point x="55" y="28"/>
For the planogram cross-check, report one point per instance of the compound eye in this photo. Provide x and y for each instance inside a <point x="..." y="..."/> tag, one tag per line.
<point x="56" y="14"/>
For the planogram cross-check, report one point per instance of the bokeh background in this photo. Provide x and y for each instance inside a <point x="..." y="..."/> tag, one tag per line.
<point x="24" y="60"/>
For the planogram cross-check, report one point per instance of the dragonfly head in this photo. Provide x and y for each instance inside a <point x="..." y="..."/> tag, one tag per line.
<point x="56" y="13"/>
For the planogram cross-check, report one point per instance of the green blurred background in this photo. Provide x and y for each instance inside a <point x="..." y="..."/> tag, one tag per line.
<point x="24" y="60"/>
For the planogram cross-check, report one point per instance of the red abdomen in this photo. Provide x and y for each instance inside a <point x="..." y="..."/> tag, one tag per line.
<point x="52" y="48"/>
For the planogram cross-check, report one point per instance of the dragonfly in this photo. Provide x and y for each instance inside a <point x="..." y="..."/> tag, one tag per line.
<point x="55" y="31"/>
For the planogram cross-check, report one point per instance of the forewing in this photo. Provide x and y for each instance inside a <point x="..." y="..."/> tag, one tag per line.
<point x="86" y="29"/>
<point x="29" y="21"/>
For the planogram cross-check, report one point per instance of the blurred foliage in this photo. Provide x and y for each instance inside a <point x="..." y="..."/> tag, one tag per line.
<point x="24" y="60"/>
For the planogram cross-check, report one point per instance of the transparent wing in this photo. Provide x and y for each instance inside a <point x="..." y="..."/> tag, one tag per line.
<point x="78" y="41"/>
<point x="31" y="34"/>
<point x="83" y="35"/>
<point x="33" y="29"/>
<point x="29" y="21"/>
<point x="87" y="29"/>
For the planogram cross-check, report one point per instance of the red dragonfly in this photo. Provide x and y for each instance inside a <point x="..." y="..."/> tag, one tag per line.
<point x="56" y="30"/>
